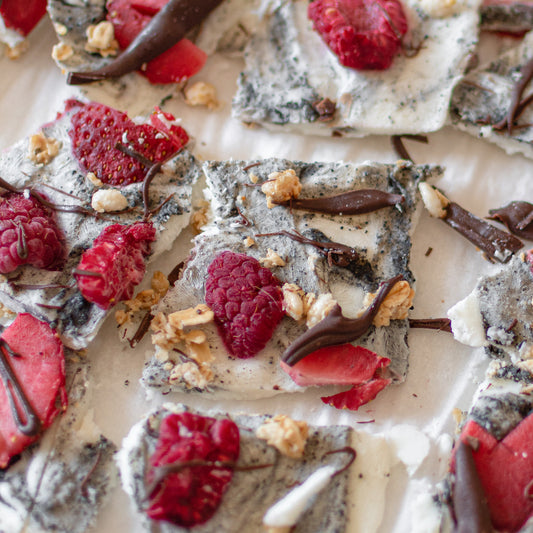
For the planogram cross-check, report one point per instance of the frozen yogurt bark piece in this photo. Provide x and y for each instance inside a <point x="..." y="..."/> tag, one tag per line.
<point x="481" y="101"/>
<point x="380" y="239"/>
<point x="250" y="493"/>
<point x="52" y="295"/>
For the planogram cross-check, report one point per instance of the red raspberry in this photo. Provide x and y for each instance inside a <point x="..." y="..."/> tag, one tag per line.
<point x="96" y="131"/>
<point x="247" y="302"/>
<point x="28" y="234"/>
<point x="192" y="494"/>
<point x="109" y="271"/>
<point x="39" y="366"/>
<point x="364" y="34"/>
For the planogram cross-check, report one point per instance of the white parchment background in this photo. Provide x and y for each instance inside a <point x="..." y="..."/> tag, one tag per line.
<point x="443" y="374"/>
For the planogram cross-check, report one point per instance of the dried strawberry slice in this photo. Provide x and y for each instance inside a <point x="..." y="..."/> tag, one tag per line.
<point x="34" y="354"/>
<point x="22" y="16"/>
<point x="345" y="364"/>
<point x="109" y="271"/>
<point x="190" y="495"/>
<point x="246" y="299"/>
<point x="364" y="34"/>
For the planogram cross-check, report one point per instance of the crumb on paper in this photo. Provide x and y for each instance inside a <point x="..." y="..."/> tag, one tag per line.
<point x="42" y="149"/>
<point x="15" y="52"/>
<point x="281" y="187"/>
<point x="285" y="434"/>
<point x="272" y="259"/>
<point x="62" y="51"/>
<point x="395" y="306"/>
<point x="108" y="200"/>
<point x="203" y="94"/>
<point x="101" y="39"/>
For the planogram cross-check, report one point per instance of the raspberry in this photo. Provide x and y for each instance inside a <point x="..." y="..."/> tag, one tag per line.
<point x="28" y="234"/>
<point x="364" y="34"/>
<point x="192" y="494"/>
<point x="247" y="302"/>
<point x="96" y="131"/>
<point x="109" y="271"/>
<point x="39" y="367"/>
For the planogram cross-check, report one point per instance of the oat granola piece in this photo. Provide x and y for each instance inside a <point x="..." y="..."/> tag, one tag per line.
<point x="287" y="435"/>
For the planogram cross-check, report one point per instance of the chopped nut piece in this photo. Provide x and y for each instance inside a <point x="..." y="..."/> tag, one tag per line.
<point x="108" y="200"/>
<point x="101" y="39"/>
<point x="202" y="94"/>
<point x="201" y="314"/>
<point x="272" y="259"/>
<point x="285" y="434"/>
<point x="42" y="149"/>
<point x="440" y="8"/>
<point x="281" y="187"/>
<point x="60" y="29"/>
<point x="319" y="309"/>
<point x="435" y="202"/>
<point x="61" y="52"/>
<point x="293" y="301"/>
<point x="121" y="317"/>
<point x="15" y="52"/>
<point x="5" y="312"/>
<point x="254" y="178"/>
<point x="248" y="242"/>
<point x="201" y="352"/>
<point x="91" y="176"/>
<point x="199" y="218"/>
<point x="160" y="283"/>
<point x="395" y="306"/>
<point x="192" y="374"/>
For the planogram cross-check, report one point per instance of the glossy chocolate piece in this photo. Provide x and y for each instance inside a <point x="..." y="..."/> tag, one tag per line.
<point x="336" y="329"/>
<point x="517" y="216"/>
<point x="349" y="203"/>
<point x="497" y="244"/>
<point x="440" y="324"/>
<point x="399" y="147"/>
<point x="166" y="28"/>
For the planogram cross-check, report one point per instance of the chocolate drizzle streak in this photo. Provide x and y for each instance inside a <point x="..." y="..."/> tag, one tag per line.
<point x="350" y="451"/>
<point x="497" y="244"/>
<point x="29" y="423"/>
<point x="399" y="147"/>
<point x="470" y="507"/>
<point x="349" y="203"/>
<point x="166" y="28"/>
<point x="336" y="329"/>
<point x="440" y="324"/>
<point x="517" y="216"/>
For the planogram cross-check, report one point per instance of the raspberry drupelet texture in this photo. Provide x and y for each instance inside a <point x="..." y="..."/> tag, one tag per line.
<point x="363" y="34"/>
<point x="115" y="264"/>
<point x="246" y="299"/>
<point x="28" y="234"/>
<point x="190" y="494"/>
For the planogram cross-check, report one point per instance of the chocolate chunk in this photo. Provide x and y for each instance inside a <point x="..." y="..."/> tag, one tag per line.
<point x="517" y="216"/>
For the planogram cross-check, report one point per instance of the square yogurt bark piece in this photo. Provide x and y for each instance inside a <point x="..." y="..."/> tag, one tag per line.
<point x="240" y="215"/>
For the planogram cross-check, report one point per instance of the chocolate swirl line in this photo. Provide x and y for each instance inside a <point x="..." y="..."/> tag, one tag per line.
<point x="336" y="329"/>
<point x="439" y="324"/>
<point x="517" y="216"/>
<point x="16" y="396"/>
<point x="348" y="203"/>
<point x="497" y="244"/>
<point x="399" y="147"/>
<point x="164" y="30"/>
<point x="470" y="507"/>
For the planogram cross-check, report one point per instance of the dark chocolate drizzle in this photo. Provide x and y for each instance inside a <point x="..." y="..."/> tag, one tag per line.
<point x="440" y="324"/>
<point x="166" y="28"/>
<point x="470" y="507"/>
<point x="336" y="329"/>
<point x="350" y="451"/>
<point x="497" y="244"/>
<point x="517" y="216"/>
<point x="16" y="396"/>
<point x="348" y="203"/>
<point x="399" y="147"/>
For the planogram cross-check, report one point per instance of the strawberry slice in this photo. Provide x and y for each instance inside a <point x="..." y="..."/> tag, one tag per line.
<point x="97" y="130"/>
<point x="363" y="34"/>
<point x="109" y="271"/>
<point x="22" y="16"/>
<point x="345" y="364"/>
<point x="505" y="469"/>
<point x="178" y="63"/>
<point x="188" y="494"/>
<point x="35" y="357"/>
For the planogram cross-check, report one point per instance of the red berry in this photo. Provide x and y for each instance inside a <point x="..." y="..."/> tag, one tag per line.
<point x="178" y="63"/>
<point x="28" y="234"/>
<point x="97" y="129"/>
<point x="22" y="16"/>
<point x="109" y="271"/>
<point x="192" y="494"/>
<point x="39" y="366"/>
<point x="357" y="396"/>
<point x="364" y="34"/>
<point x="247" y="302"/>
